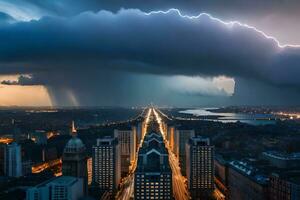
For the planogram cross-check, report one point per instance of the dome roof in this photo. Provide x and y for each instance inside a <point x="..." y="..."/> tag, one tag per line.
<point x="74" y="145"/>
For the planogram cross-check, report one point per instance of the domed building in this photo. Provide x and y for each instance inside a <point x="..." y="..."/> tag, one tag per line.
<point x="74" y="159"/>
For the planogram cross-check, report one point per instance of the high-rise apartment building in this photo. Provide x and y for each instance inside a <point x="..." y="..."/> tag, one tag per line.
<point x="107" y="164"/>
<point x="127" y="141"/>
<point x="13" y="160"/>
<point x="200" y="167"/>
<point x="182" y="136"/>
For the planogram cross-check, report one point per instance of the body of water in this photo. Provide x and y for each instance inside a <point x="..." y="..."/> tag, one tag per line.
<point x="254" y="119"/>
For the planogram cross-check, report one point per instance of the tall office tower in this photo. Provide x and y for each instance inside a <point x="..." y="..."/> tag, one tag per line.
<point x="107" y="164"/>
<point x="200" y="167"/>
<point x="153" y="175"/>
<point x="182" y="136"/>
<point x="74" y="159"/>
<point x="127" y="141"/>
<point x="63" y="187"/>
<point x="13" y="160"/>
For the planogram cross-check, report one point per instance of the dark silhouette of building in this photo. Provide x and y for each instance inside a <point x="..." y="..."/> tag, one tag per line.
<point x="74" y="159"/>
<point x="284" y="186"/>
<point x="127" y="141"/>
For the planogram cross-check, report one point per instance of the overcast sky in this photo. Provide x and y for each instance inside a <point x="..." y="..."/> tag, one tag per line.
<point x="129" y="53"/>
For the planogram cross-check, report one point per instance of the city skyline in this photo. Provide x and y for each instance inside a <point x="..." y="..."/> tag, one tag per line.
<point x="137" y="100"/>
<point x="156" y="153"/>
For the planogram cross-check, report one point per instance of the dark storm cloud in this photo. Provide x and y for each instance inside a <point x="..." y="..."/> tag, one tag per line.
<point x="5" y="18"/>
<point x="224" y="8"/>
<point x="117" y="59"/>
<point x="158" y="44"/>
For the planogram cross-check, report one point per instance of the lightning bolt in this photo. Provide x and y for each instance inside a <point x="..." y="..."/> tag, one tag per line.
<point x="227" y="23"/>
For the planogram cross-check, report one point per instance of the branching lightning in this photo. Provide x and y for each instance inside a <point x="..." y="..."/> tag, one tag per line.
<point x="229" y="23"/>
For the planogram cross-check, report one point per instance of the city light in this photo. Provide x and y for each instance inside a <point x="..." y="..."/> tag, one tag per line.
<point x="46" y="165"/>
<point x="6" y="140"/>
<point x="179" y="187"/>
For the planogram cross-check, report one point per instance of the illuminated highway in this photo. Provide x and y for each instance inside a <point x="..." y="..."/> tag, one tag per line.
<point x="5" y="140"/>
<point x="46" y="165"/>
<point x="179" y="187"/>
<point x="180" y="191"/>
<point x="127" y="185"/>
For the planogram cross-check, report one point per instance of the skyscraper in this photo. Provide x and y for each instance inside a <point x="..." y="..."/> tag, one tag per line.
<point x="127" y="140"/>
<point x="200" y="167"/>
<point x="153" y="176"/>
<point x="13" y="160"/>
<point x="74" y="159"/>
<point x="181" y="137"/>
<point x="107" y="164"/>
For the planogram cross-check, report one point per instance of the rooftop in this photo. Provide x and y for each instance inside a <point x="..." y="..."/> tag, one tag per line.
<point x="249" y="171"/>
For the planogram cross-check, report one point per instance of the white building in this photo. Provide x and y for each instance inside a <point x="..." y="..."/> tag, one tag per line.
<point x="59" y="188"/>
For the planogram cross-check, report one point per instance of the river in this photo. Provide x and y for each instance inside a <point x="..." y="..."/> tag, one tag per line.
<point x="254" y="119"/>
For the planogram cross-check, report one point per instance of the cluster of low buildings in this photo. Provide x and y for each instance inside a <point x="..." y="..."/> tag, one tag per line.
<point x="258" y="179"/>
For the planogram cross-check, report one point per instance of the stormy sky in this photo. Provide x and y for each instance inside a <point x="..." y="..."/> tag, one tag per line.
<point x="125" y="53"/>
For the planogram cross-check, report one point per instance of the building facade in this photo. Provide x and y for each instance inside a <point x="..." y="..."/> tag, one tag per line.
<point x="59" y="188"/>
<point x="74" y="159"/>
<point x="107" y="164"/>
<point x="127" y="142"/>
<point x="245" y="183"/>
<point x="286" y="187"/>
<point x="170" y="136"/>
<point x="221" y="175"/>
<point x="153" y="176"/>
<point x="200" y="167"/>
<point x="182" y="136"/>
<point x="13" y="160"/>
